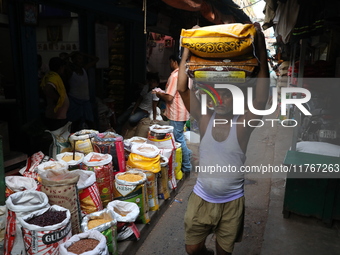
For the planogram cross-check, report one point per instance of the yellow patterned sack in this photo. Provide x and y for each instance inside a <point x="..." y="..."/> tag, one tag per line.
<point x="219" y="41"/>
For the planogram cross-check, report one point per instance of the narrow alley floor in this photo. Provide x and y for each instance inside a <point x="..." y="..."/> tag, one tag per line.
<point x="266" y="232"/>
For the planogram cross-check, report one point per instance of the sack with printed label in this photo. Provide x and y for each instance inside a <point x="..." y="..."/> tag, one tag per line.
<point x="221" y="71"/>
<point x="81" y="141"/>
<point x="130" y="187"/>
<point x="101" y="165"/>
<point x="44" y="230"/>
<point x="72" y="159"/>
<point x="111" y="143"/>
<point x="20" y="204"/>
<point x="104" y="221"/>
<point x="60" y="186"/>
<point x="144" y="156"/>
<point x="89" y="196"/>
<point x="219" y="41"/>
<point x="76" y="244"/>
<point x="163" y="179"/>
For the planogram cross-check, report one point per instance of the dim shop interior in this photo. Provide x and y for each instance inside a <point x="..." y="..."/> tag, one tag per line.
<point x="125" y="48"/>
<point x="313" y="56"/>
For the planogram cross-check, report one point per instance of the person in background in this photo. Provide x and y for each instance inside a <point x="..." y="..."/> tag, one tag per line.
<point x="216" y="204"/>
<point x="80" y="112"/>
<point x="57" y="101"/>
<point x="176" y="112"/>
<point x="145" y="104"/>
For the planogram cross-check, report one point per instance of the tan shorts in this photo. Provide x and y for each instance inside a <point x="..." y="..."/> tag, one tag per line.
<point x="226" y="220"/>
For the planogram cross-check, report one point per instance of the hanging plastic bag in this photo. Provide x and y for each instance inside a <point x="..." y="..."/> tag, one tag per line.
<point x="60" y="140"/>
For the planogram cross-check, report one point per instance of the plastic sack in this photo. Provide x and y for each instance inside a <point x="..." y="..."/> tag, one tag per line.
<point x="73" y="160"/>
<point x="20" y="204"/>
<point x="145" y="157"/>
<point x="101" y="165"/>
<point x="51" y="165"/>
<point x="89" y="196"/>
<point x="178" y="160"/>
<point x="81" y="141"/>
<point x="219" y="41"/>
<point x="60" y="140"/>
<point x="19" y="183"/>
<point x="162" y="179"/>
<point x="45" y="240"/>
<point x="124" y="211"/>
<point x="161" y="136"/>
<point x="111" y="143"/>
<point x="100" y="249"/>
<point x="31" y="168"/>
<point x="133" y="191"/>
<point x="108" y="229"/>
<point x="135" y="140"/>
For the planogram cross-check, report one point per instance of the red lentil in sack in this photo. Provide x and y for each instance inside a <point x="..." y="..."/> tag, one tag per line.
<point x="20" y="204"/>
<point x="44" y="230"/>
<point x="104" y="221"/>
<point x="100" y="249"/>
<point x="101" y="165"/>
<point x="61" y="189"/>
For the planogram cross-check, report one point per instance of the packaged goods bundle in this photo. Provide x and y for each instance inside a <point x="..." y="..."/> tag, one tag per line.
<point x="111" y="143"/>
<point x="101" y="165"/>
<point x="81" y="141"/>
<point x="89" y="196"/>
<point x="91" y="242"/>
<point x="104" y="221"/>
<point x="130" y="187"/>
<point x="60" y="140"/>
<point x="178" y="162"/>
<point x="163" y="179"/>
<point x="61" y="189"/>
<point x="219" y="41"/>
<point x="20" y="204"/>
<point x="44" y="230"/>
<point x="19" y="183"/>
<point x="126" y="213"/>
<point x="240" y="72"/>
<point x="31" y="168"/>
<point x="72" y="159"/>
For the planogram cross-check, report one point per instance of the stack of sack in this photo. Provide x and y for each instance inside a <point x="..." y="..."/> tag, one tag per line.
<point x="221" y="54"/>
